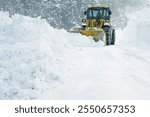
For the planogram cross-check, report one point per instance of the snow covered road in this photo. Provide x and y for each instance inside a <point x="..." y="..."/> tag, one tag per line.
<point x="106" y="73"/>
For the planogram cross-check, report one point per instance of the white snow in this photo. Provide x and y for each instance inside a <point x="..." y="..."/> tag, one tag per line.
<point x="40" y="62"/>
<point x="137" y="32"/>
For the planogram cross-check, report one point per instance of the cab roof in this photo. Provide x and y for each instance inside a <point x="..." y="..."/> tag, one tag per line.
<point x="93" y="5"/>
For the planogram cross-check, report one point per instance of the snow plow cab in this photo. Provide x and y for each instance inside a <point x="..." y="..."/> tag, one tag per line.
<point x="97" y="24"/>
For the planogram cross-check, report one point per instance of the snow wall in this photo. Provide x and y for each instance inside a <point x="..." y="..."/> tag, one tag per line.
<point x="137" y="32"/>
<point x="33" y="55"/>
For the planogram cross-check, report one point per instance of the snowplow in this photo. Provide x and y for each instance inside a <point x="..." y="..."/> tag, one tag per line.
<point x="97" y="24"/>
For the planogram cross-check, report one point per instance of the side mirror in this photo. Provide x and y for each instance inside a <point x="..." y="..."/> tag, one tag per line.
<point x="84" y="12"/>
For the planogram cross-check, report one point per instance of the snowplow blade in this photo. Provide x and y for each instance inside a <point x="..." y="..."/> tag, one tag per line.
<point x="95" y="33"/>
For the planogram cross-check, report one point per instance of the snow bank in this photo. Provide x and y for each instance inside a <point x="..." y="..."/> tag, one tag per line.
<point x="32" y="56"/>
<point x="137" y="32"/>
<point x="25" y="56"/>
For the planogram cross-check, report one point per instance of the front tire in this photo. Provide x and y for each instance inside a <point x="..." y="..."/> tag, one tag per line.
<point x="113" y="37"/>
<point x="107" y="39"/>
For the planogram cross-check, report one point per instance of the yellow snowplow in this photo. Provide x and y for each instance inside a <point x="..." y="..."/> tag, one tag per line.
<point x="97" y="24"/>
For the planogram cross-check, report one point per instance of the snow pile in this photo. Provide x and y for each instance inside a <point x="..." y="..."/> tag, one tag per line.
<point x="32" y="56"/>
<point x="25" y="56"/>
<point x="137" y="33"/>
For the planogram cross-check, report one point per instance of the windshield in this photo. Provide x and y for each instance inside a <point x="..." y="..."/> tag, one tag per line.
<point x="97" y="13"/>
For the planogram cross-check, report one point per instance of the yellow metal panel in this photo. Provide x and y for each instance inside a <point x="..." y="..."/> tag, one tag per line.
<point x="94" y="33"/>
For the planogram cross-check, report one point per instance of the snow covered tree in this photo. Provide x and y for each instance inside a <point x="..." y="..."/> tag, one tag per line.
<point x="68" y="13"/>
